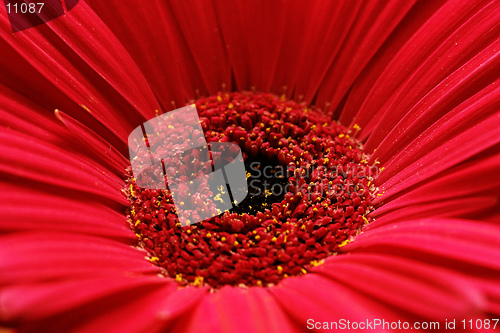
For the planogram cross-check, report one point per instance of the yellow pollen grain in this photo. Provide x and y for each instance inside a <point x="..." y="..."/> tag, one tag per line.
<point x="230" y="106"/>
<point x="257" y="237"/>
<point x="132" y="192"/>
<point x="219" y="98"/>
<point x="153" y="259"/>
<point x="178" y="277"/>
<point x="198" y="281"/>
<point x="280" y="269"/>
<point x="303" y="271"/>
<point x="273" y="239"/>
<point x="208" y="235"/>
<point x="356" y="127"/>
<point x="188" y="231"/>
<point x="365" y="219"/>
<point x="344" y="243"/>
<point x="223" y="239"/>
<point x="341" y="136"/>
<point x="138" y="236"/>
<point x="316" y="263"/>
<point x="85" y="108"/>
<point x="137" y="222"/>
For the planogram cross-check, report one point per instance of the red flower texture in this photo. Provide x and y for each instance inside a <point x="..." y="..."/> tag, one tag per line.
<point x="407" y="87"/>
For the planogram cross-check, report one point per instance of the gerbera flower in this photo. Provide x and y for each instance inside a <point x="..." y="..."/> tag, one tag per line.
<point x="408" y="87"/>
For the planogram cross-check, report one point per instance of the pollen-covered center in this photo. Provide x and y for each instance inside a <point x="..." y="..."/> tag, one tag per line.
<point x="309" y="191"/>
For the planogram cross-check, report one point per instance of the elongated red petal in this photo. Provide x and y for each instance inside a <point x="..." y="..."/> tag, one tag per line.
<point x="89" y="37"/>
<point x="470" y="248"/>
<point x="104" y="151"/>
<point x="317" y="297"/>
<point x="199" y="24"/>
<point x="453" y="243"/>
<point x="20" y="114"/>
<point x="41" y="256"/>
<point x="422" y="289"/>
<point x="29" y="302"/>
<point x="72" y="74"/>
<point x="415" y="61"/>
<point x="374" y="23"/>
<point x="34" y="160"/>
<point x="129" y="305"/>
<point x="464" y="145"/>
<point x="164" y="56"/>
<point x="410" y="25"/>
<point x="464" y="190"/>
<point x="28" y="209"/>
<point x="234" y="309"/>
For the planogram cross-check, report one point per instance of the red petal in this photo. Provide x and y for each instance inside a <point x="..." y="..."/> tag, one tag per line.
<point x="72" y="75"/>
<point x="462" y="245"/>
<point x="457" y="149"/>
<point x="34" y="301"/>
<point x="463" y="99"/>
<point x="105" y="152"/>
<point x="151" y="35"/>
<point x="365" y="82"/>
<point x="140" y="308"/>
<point x="35" y="257"/>
<point x="463" y="190"/>
<point x="89" y="37"/>
<point x="252" y="32"/>
<point x="424" y="67"/>
<point x="199" y="24"/>
<point x="234" y="309"/>
<point x="26" y="157"/>
<point x="26" y="209"/>
<point x="421" y="289"/>
<point x="469" y="248"/>
<point x="374" y="23"/>
<point x="22" y="115"/>
<point x="312" y="296"/>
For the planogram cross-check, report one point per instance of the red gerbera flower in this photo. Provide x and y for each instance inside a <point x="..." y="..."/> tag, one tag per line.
<point x="413" y="84"/>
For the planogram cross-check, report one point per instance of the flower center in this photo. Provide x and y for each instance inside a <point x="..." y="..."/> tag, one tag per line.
<point x="309" y="191"/>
